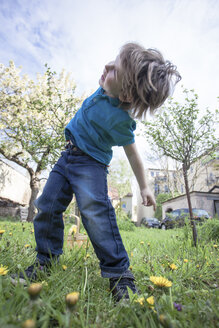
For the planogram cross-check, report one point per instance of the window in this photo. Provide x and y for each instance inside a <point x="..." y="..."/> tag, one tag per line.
<point x="157" y="188"/>
<point x="152" y="173"/>
<point x="166" y="189"/>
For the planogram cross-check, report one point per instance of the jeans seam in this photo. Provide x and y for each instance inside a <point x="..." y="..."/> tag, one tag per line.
<point x="50" y="221"/>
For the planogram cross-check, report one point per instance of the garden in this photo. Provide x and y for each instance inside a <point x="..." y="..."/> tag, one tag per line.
<point x="177" y="282"/>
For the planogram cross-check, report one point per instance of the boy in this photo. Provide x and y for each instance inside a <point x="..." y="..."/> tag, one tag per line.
<point x="137" y="81"/>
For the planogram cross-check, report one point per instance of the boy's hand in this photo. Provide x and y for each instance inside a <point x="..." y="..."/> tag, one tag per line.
<point x="148" y="198"/>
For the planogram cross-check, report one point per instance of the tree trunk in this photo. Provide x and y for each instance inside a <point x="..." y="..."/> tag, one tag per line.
<point x="194" y="230"/>
<point x="35" y="186"/>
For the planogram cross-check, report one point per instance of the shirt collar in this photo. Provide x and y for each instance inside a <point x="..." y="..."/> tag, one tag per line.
<point x="113" y="101"/>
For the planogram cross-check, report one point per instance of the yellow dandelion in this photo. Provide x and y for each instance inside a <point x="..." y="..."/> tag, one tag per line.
<point x="3" y="270"/>
<point x="215" y="246"/>
<point x="131" y="267"/>
<point x="27" y="245"/>
<point x="64" y="267"/>
<point x="197" y="266"/>
<point x="149" y="244"/>
<point x="161" y="281"/>
<point x="185" y="260"/>
<point x="1" y="232"/>
<point x="173" y="266"/>
<point x="140" y="300"/>
<point x="71" y="299"/>
<point x="44" y="283"/>
<point x="131" y="253"/>
<point x="73" y="229"/>
<point x="150" y="300"/>
<point x="142" y="242"/>
<point x="10" y="233"/>
<point x="29" y="323"/>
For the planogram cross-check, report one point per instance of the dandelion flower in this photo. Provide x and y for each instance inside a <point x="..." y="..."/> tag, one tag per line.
<point x="149" y="244"/>
<point x="64" y="267"/>
<point x="142" y="242"/>
<point x="27" y="245"/>
<point x="71" y="299"/>
<point x="215" y="246"/>
<point x="131" y="253"/>
<point x="3" y="270"/>
<point x="197" y="266"/>
<point x="185" y="260"/>
<point x="73" y="229"/>
<point x="29" y="323"/>
<point x="1" y="232"/>
<point x="173" y="266"/>
<point x="34" y="290"/>
<point x="140" y="300"/>
<point x="131" y="267"/>
<point x="10" y="234"/>
<point x="150" y="300"/>
<point x="161" y="281"/>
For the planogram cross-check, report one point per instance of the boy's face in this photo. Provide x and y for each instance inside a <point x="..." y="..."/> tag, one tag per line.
<point x="111" y="79"/>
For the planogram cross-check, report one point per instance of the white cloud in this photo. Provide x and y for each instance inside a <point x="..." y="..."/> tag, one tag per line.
<point x="81" y="36"/>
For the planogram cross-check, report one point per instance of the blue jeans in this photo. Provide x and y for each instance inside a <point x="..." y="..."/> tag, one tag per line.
<point x="79" y="174"/>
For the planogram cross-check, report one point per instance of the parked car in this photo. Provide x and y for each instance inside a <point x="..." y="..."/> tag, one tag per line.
<point x="177" y="217"/>
<point x="150" y="222"/>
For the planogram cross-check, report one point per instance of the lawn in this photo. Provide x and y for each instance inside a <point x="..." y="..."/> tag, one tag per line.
<point x="189" y="299"/>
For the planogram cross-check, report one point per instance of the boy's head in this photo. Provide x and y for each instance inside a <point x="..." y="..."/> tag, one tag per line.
<point x="147" y="78"/>
<point x="140" y="78"/>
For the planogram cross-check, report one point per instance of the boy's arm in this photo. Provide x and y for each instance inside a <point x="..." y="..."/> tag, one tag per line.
<point x="138" y="169"/>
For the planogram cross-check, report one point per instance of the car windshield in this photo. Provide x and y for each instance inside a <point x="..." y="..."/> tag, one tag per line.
<point x="152" y="220"/>
<point x="200" y="212"/>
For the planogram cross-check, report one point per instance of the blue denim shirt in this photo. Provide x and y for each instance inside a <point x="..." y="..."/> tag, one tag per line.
<point x="99" y="125"/>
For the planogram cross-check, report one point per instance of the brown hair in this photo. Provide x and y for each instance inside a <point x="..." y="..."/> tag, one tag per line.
<point x="147" y="78"/>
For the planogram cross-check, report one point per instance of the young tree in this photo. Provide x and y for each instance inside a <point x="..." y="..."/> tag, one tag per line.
<point x="33" y="116"/>
<point x="182" y="135"/>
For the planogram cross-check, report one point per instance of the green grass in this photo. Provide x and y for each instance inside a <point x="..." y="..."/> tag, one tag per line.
<point x="194" y="283"/>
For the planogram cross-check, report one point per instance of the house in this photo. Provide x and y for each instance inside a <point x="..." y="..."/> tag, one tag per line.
<point x="14" y="183"/>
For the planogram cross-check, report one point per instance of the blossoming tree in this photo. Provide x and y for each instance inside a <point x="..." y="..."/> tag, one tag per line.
<point x="33" y="115"/>
<point x="184" y="135"/>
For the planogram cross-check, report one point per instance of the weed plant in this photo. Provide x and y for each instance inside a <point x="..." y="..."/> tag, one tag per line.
<point x="191" y="301"/>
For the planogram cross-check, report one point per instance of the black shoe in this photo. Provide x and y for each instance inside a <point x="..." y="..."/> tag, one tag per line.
<point x="118" y="287"/>
<point x="31" y="274"/>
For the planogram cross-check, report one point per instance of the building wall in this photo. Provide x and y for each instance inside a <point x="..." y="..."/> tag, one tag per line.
<point x="13" y="184"/>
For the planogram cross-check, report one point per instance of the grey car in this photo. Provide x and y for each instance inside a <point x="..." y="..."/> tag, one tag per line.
<point x="177" y="217"/>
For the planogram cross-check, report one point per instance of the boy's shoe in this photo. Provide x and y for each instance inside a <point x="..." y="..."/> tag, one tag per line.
<point x="31" y="274"/>
<point x="118" y="287"/>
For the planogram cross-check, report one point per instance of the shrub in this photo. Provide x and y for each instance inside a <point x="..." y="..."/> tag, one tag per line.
<point x="123" y="221"/>
<point x="210" y="230"/>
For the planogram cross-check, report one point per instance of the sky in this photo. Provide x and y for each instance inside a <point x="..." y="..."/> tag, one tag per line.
<point x="81" y="36"/>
